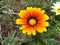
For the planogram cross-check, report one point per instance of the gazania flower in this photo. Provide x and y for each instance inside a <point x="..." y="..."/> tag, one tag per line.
<point x="56" y="8"/>
<point x="32" y="20"/>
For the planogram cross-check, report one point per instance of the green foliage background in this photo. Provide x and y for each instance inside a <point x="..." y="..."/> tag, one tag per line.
<point x="11" y="35"/>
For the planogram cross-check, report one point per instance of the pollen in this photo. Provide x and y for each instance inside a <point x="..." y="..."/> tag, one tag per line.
<point x="32" y="21"/>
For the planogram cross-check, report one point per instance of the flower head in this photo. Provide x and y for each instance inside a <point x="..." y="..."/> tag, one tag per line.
<point x="32" y="20"/>
<point x="56" y="8"/>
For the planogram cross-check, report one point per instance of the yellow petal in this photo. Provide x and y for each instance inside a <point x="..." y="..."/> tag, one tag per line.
<point x="39" y="9"/>
<point x="29" y="8"/>
<point x="24" y="31"/>
<point x="23" y="26"/>
<point x="28" y="32"/>
<point x="19" y="21"/>
<point x="22" y="13"/>
<point x="33" y="31"/>
<point x="41" y="29"/>
<point x="44" y="17"/>
<point x="44" y="29"/>
<point x="44" y="24"/>
<point x="42" y="11"/>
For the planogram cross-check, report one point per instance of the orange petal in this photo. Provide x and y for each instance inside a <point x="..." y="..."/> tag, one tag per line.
<point x="44" y="17"/>
<point x="40" y="12"/>
<point x="37" y="12"/>
<point x="33" y="31"/>
<point x="44" y="24"/>
<point x="30" y="11"/>
<point x="28" y="30"/>
<point x="23" y="14"/>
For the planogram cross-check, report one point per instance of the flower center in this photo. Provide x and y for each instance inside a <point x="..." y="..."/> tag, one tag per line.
<point x="32" y="21"/>
<point x="58" y="10"/>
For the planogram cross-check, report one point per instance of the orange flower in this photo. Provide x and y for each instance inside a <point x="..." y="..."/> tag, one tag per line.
<point x="32" y="20"/>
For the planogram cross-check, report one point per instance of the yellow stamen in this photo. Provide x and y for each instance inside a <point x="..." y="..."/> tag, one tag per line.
<point x="32" y="21"/>
<point x="58" y="10"/>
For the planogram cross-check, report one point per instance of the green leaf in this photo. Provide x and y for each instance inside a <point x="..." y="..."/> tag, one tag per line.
<point x="51" y="41"/>
<point x="11" y="39"/>
<point x="52" y="30"/>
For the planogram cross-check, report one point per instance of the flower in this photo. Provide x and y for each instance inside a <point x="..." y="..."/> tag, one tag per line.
<point x="31" y="20"/>
<point x="59" y="29"/>
<point x="56" y="8"/>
